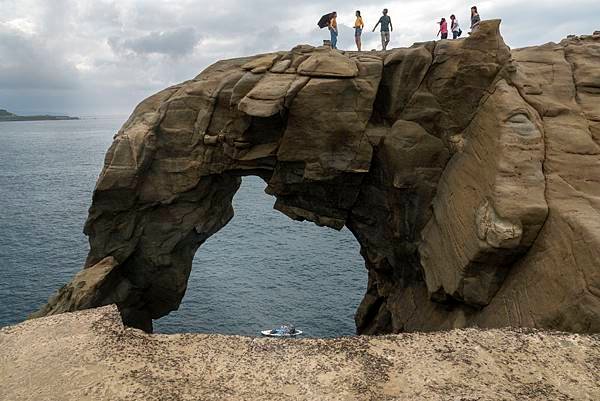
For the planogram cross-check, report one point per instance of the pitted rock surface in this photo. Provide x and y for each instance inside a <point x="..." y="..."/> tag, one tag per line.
<point x="467" y="172"/>
<point x="90" y="355"/>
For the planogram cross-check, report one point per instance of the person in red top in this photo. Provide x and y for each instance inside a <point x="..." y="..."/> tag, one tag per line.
<point x="443" y="29"/>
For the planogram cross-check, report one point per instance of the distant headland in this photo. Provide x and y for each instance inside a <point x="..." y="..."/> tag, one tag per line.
<point x="7" y="116"/>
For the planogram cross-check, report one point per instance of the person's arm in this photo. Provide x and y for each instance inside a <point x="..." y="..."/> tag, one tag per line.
<point x="334" y="29"/>
<point x="391" y="26"/>
<point x="378" y="22"/>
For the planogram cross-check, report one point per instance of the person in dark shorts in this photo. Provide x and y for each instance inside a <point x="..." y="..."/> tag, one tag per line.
<point x="333" y="30"/>
<point x="443" y="29"/>
<point x="358" y="28"/>
<point x="475" y="19"/>
<point x="386" y="28"/>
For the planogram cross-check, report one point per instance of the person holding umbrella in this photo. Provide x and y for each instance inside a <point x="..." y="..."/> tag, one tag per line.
<point x="333" y="30"/>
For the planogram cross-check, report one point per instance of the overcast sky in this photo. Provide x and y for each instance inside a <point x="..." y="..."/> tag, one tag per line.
<point x="104" y="56"/>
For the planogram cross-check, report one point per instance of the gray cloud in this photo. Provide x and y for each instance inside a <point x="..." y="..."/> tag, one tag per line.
<point x="25" y="64"/>
<point x="104" y="56"/>
<point x="177" y="42"/>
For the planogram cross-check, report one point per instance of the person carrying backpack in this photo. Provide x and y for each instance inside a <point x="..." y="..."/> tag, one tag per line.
<point x="455" y="27"/>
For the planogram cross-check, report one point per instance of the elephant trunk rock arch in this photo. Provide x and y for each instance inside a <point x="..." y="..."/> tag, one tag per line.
<point x="443" y="159"/>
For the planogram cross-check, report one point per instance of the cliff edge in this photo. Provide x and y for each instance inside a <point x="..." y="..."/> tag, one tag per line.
<point x="467" y="172"/>
<point x="90" y="355"/>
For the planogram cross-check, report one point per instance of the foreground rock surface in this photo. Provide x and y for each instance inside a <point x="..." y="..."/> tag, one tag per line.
<point x="467" y="172"/>
<point x="90" y="356"/>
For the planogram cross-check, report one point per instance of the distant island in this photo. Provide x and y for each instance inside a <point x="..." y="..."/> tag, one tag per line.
<point x="7" y="116"/>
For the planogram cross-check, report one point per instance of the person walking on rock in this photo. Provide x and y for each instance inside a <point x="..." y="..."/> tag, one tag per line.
<point x="455" y="27"/>
<point x="358" y="28"/>
<point x="333" y="30"/>
<point x="386" y="27"/>
<point x="475" y="19"/>
<point x="443" y="29"/>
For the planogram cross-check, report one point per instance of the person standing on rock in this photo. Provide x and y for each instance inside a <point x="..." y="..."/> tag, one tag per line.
<point x="358" y="28"/>
<point x="475" y="19"/>
<point x="455" y="27"/>
<point x="443" y="29"/>
<point x="386" y="27"/>
<point x="333" y="29"/>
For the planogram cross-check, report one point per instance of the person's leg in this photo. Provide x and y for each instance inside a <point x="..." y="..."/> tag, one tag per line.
<point x="385" y="39"/>
<point x="333" y="39"/>
<point x="454" y="34"/>
<point x="444" y="36"/>
<point x="360" y="40"/>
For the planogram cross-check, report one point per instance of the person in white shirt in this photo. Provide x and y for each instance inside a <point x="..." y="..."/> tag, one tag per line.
<point x="455" y="27"/>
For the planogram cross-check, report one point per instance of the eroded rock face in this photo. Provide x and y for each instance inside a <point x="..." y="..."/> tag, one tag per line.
<point x="490" y="203"/>
<point x="467" y="173"/>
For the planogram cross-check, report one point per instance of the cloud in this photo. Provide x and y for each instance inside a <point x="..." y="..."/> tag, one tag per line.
<point x="26" y="63"/>
<point x="104" y="56"/>
<point x="177" y="43"/>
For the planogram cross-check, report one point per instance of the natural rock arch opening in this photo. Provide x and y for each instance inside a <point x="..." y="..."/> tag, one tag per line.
<point x="443" y="159"/>
<point x="263" y="269"/>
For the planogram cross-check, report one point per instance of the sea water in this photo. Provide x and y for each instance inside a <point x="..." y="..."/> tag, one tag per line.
<point x="261" y="270"/>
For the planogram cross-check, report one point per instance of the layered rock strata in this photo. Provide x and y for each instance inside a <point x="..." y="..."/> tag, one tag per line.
<point x="468" y="173"/>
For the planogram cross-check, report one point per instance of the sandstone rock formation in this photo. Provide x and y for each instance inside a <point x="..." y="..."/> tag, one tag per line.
<point x="89" y="355"/>
<point x="467" y="172"/>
